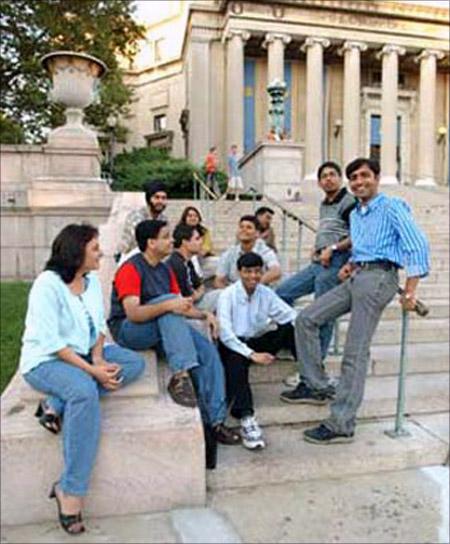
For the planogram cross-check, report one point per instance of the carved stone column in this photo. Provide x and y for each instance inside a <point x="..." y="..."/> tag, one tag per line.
<point x="389" y="55"/>
<point x="352" y="88"/>
<point x="314" y="104"/>
<point x="275" y="44"/>
<point x="427" y="98"/>
<point x="235" y="87"/>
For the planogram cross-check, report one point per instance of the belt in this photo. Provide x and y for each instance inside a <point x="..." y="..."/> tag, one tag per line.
<point x="374" y="265"/>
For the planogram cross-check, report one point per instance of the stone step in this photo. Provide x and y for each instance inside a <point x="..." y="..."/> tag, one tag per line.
<point x="425" y="393"/>
<point x="288" y="458"/>
<point x="143" y="439"/>
<point x="439" y="308"/>
<point x="385" y="361"/>
<point x="420" y="330"/>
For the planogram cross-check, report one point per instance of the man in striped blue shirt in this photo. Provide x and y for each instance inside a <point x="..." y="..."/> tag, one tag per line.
<point x="384" y="238"/>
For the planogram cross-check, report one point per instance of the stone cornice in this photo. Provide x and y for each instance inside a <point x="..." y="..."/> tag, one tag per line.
<point x="367" y="7"/>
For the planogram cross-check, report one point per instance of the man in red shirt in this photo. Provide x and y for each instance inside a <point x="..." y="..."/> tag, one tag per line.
<point x="148" y="311"/>
<point x="211" y="164"/>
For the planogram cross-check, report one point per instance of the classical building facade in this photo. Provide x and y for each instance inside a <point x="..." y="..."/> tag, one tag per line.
<point x="363" y="78"/>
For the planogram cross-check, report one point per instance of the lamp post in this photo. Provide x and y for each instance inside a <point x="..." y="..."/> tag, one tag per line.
<point x="277" y="92"/>
<point x="111" y="121"/>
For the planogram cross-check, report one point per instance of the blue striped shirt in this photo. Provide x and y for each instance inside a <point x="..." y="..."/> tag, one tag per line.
<point x="386" y="230"/>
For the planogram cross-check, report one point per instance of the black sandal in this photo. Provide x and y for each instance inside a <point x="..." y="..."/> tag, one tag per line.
<point x="51" y="422"/>
<point x="66" y="521"/>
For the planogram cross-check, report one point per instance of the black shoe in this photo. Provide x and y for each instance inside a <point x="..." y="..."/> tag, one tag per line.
<point x="210" y="447"/>
<point x="323" y="435"/>
<point x="303" y="394"/>
<point x="226" y="435"/>
<point x="182" y="391"/>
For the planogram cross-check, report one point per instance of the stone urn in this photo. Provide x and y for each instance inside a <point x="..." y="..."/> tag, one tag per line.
<point x="75" y="78"/>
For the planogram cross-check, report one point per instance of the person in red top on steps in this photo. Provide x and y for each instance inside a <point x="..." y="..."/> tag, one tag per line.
<point x="147" y="311"/>
<point x="211" y="164"/>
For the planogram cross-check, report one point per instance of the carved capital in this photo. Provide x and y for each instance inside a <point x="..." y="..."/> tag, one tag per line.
<point x="231" y="33"/>
<point x="349" y="45"/>
<point x="390" y="49"/>
<point x="313" y="40"/>
<point x="427" y="53"/>
<point x="270" y="37"/>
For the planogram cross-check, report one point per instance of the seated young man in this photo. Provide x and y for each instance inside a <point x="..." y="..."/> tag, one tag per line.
<point x="249" y="240"/>
<point x="187" y="242"/>
<point x="148" y="311"/>
<point x="244" y="309"/>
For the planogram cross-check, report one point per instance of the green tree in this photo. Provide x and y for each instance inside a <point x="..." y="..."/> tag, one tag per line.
<point x="32" y="28"/>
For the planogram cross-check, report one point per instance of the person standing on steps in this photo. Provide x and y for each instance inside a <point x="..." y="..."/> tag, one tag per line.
<point x="235" y="184"/>
<point x="211" y="164"/>
<point x="331" y="251"/>
<point x="384" y="238"/>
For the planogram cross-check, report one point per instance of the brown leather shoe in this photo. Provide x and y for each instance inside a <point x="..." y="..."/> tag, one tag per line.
<point x="226" y="435"/>
<point x="182" y="391"/>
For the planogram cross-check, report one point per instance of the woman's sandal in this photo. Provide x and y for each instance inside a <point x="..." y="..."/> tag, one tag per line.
<point x="67" y="521"/>
<point x="49" y="421"/>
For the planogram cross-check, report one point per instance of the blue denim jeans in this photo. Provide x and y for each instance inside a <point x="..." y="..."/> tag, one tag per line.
<point x="316" y="279"/>
<point x="74" y="394"/>
<point x="185" y="349"/>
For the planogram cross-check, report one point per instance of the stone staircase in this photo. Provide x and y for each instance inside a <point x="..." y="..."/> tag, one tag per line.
<point x="151" y="454"/>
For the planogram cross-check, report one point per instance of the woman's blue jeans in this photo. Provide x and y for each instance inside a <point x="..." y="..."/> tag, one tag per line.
<point x="74" y="394"/>
<point x="185" y="349"/>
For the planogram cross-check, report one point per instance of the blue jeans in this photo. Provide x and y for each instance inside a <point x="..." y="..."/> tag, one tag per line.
<point x="75" y="395"/>
<point x="316" y="279"/>
<point x="185" y="349"/>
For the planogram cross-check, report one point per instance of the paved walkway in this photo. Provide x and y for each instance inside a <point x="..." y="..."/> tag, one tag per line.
<point x="410" y="506"/>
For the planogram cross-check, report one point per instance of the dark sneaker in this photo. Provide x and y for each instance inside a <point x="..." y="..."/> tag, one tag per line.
<point x="303" y="394"/>
<point x="323" y="435"/>
<point x="181" y="390"/>
<point x="226" y="435"/>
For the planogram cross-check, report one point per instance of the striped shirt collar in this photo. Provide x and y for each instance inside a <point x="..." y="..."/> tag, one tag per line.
<point x="372" y="205"/>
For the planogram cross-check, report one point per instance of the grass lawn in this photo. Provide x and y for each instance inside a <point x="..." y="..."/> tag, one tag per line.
<point x="13" y="306"/>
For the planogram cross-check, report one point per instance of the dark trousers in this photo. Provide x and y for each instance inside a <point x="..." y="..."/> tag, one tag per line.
<point x="239" y="393"/>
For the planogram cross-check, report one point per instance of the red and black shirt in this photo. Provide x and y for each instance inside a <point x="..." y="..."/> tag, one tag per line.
<point x="136" y="277"/>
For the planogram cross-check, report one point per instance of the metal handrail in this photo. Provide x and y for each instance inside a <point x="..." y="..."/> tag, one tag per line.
<point x="204" y="186"/>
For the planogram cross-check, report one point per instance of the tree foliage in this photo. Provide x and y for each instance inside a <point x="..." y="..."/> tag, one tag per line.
<point x="32" y="28"/>
<point x="132" y="169"/>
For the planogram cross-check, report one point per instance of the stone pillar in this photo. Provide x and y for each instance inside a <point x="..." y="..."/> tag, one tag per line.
<point x="235" y="87"/>
<point x="352" y="88"/>
<point x="199" y="98"/>
<point x="314" y="104"/>
<point x="389" y="55"/>
<point x="275" y="44"/>
<point x="427" y="99"/>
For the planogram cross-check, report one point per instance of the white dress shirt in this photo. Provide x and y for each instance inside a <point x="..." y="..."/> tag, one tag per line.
<point x="244" y="316"/>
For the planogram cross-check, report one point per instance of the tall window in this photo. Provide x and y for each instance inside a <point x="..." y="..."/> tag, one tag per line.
<point x="160" y="122"/>
<point x="375" y="141"/>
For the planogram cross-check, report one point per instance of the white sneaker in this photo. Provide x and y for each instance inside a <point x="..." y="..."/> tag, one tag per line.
<point x="251" y="433"/>
<point x="293" y="380"/>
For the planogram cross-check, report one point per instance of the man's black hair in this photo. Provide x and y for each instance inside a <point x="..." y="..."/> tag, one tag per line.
<point x="183" y="232"/>
<point x="329" y="164"/>
<point x="264" y="209"/>
<point x="250" y="219"/>
<point x="249" y="260"/>
<point x="148" y="230"/>
<point x="372" y="164"/>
